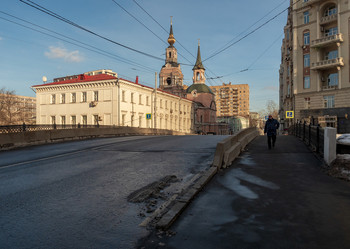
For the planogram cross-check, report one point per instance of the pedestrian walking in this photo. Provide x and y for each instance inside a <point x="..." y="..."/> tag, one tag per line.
<point x="271" y="127"/>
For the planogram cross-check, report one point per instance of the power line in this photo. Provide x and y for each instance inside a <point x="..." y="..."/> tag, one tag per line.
<point x="177" y="40"/>
<point x="57" y="16"/>
<point x="88" y="47"/>
<point x="148" y="29"/>
<point x="261" y="55"/>
<point x="161" y="26"/>
<point x="251" y="32"/>
<point x="252" y="25"/>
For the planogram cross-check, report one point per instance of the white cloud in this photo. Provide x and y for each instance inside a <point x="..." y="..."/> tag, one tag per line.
<point x="0" y="38"/>
<point x="62" y="53"/>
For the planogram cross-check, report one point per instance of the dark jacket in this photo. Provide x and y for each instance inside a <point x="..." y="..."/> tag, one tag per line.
<point x="271" y="126"/>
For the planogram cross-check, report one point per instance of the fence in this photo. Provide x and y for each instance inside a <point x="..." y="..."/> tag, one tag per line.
<point x="25" y="127"/>
<point x="311" y="135"/>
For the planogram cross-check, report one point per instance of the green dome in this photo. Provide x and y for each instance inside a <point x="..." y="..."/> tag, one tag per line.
<point x="201" y="88"/>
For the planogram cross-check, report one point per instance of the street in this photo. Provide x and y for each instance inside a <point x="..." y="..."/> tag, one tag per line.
<point x="74" y="194"/>
<point x="277" y="198"/>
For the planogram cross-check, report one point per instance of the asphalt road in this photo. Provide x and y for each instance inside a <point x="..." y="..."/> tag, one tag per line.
<point x="74" y="194"/>
<point x="267" y="199"/>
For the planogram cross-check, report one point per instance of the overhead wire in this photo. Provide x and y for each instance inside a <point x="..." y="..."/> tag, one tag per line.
<point x="251" y="32"/>
<point x="177" y="40"/>
<point x="241" y="33"/>
<point x="76" y="42"/>
<point x="59" y="17"/>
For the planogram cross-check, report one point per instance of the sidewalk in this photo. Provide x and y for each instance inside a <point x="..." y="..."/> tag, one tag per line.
<point x="277" y="198"/>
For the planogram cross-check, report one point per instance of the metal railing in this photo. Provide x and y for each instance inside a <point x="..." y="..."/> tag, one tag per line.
<point x="25" y="127"/>
<point x="311" y="135"/>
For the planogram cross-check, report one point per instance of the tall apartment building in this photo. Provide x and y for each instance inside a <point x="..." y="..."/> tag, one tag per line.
<point x="314" y="72"/>
<point x="16" y="109"/>
<point x="231" y="100"/>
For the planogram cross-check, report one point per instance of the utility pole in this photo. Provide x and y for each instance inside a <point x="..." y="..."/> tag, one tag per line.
<point x="155" y="102"/>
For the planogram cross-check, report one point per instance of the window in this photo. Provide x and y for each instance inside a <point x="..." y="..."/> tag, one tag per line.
<point x="307" y="38"/>
<point x="123" y="96"/>
<point x="161" y="103"/>
<point x="331" y="31"/>
<point x="332" y="10"/>
<point x="166" y="104"/>
<point x="140" y="121"/>
<point x="95" y="119"/>
<point x="83" y="97"/>
<point x="306" y="17"/>
<point x="132" y="97"/>
<point x="332" y="55"/>
<point x="328" y="101"/>
<point x="147" y="100"/>
<point x="123" y="119"/>
<point x="53" y="119"/>
<point x="84" y="119"/>
<point x="307" y="103"/>
<point x="140" y="99"/>
<point x="73" y="97"/>
<point x="132" y="120"/>
<point x="288" y="90"/>
<point x="332" y="79"/>
<point x="73" y="120"/>
<point x="307" y="60"/>
<point x="307" y="82"/>
<point x="63" y="98"/>
<point x="95" y="95"/>
<point x="63" y="120"/>
<point x="53" y="99"/>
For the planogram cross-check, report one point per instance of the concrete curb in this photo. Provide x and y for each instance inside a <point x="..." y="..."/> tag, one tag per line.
<point x="226" y="152"/>
<point x="228" y="149"/>
<point x="185" y="198"/>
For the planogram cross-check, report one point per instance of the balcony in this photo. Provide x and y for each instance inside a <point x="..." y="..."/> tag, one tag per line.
<point x="326" y="64"/>
<point x="328" y="19"/>
<point x="304" y="4"/>
<point x="325" y="88"/>
<point x="327" y="40"/>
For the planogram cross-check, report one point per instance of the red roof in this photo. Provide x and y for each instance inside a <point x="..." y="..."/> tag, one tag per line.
<point x="87" y="78"/>
<point x="81" y="78"/>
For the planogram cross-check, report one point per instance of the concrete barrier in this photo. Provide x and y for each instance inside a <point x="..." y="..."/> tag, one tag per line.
<point x="330" y="145"/>
<point x="228" y="149"/>
<point x="13" y="140"/>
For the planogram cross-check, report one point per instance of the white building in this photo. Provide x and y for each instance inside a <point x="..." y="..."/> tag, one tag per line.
<point x="101" y="97"/>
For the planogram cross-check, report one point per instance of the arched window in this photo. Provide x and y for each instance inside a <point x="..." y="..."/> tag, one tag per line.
<point x="169" y="54"/>
<point x="198" y="76"/>
<point x="331" y="10"/>
<point x="168" y="80"/>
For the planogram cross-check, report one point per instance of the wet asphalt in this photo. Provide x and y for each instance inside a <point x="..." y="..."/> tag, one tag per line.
<point x="268" y="199"/>
<point x="74" y="194"/>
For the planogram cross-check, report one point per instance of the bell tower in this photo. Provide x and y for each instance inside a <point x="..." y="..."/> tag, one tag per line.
<point x="170" y="76"/>
<point x="198" y="69"/>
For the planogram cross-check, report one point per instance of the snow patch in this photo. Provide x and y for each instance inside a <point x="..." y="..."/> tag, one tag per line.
<point x="343" y="139"/>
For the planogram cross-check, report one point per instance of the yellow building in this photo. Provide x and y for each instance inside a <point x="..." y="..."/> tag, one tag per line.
<point x="231" y="100"/>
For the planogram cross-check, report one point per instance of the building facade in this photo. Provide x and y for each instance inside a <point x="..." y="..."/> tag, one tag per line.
<point x="16" y="109"/>
<point x="205" y="121"/>
<point x="231" y="100"/>
<point x="102" y="98"/>
<point x="314" y="73"/>
<point x="170" y="76"/>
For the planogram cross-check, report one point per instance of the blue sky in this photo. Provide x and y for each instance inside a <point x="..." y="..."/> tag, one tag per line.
<point x="27" y="55"/>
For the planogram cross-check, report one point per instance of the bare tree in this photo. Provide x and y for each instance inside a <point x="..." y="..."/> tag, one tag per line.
<point x="271" y="108"/>
<point x="10" y="111"/>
